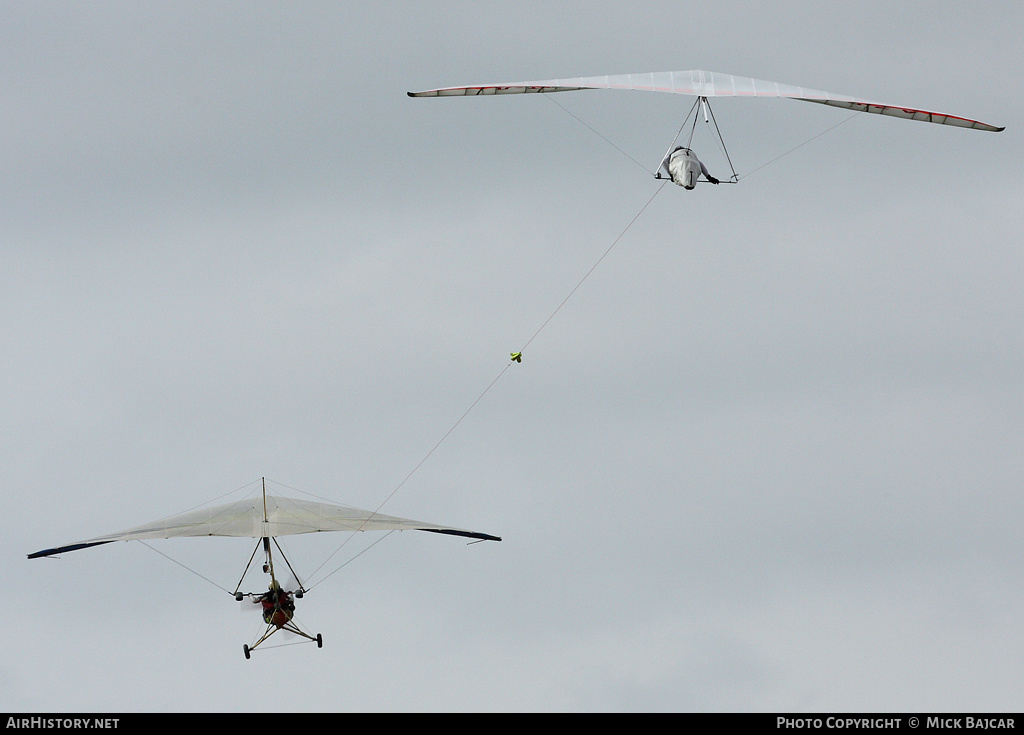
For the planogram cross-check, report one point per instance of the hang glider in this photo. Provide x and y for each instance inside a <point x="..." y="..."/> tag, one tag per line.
<point x="264" y="518"/>
<point x="704" y="84"/>
<point x="249" y="518"/>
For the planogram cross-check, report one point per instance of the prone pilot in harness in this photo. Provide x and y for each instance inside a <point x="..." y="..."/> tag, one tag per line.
<point x="278" y="605"/>
<point x="684" y="168"/>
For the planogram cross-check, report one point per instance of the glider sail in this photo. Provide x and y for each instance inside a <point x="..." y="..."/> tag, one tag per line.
<point x="280" y="516"/>
<point x="707" y="84"/>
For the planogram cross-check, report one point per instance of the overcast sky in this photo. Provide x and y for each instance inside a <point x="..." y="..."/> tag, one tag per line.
<point x="767" y="457"/>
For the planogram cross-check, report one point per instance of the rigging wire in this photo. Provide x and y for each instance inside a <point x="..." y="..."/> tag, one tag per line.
<point x="809" y="140"/>
<point x="193" y="571"/>
<point x="720" y="140"/>
<point x="285" y="645"/>
<point x="600" y="135"/>
<point x="349" y="561"/>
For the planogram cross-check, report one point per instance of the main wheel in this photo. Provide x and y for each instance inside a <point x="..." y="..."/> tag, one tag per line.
<point x="319" y="641"/>
<point x="245" y="650"/>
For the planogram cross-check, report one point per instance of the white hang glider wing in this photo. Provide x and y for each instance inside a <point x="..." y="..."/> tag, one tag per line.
<point x="707" y="84"/>
<point x="250" y="519"/>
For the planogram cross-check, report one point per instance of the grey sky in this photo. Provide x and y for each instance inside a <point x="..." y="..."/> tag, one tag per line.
<point x="766" y="458"/>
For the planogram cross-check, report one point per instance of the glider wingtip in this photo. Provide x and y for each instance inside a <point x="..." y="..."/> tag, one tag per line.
<point x="466" y="534"/>
<point x="70" y="547"/>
